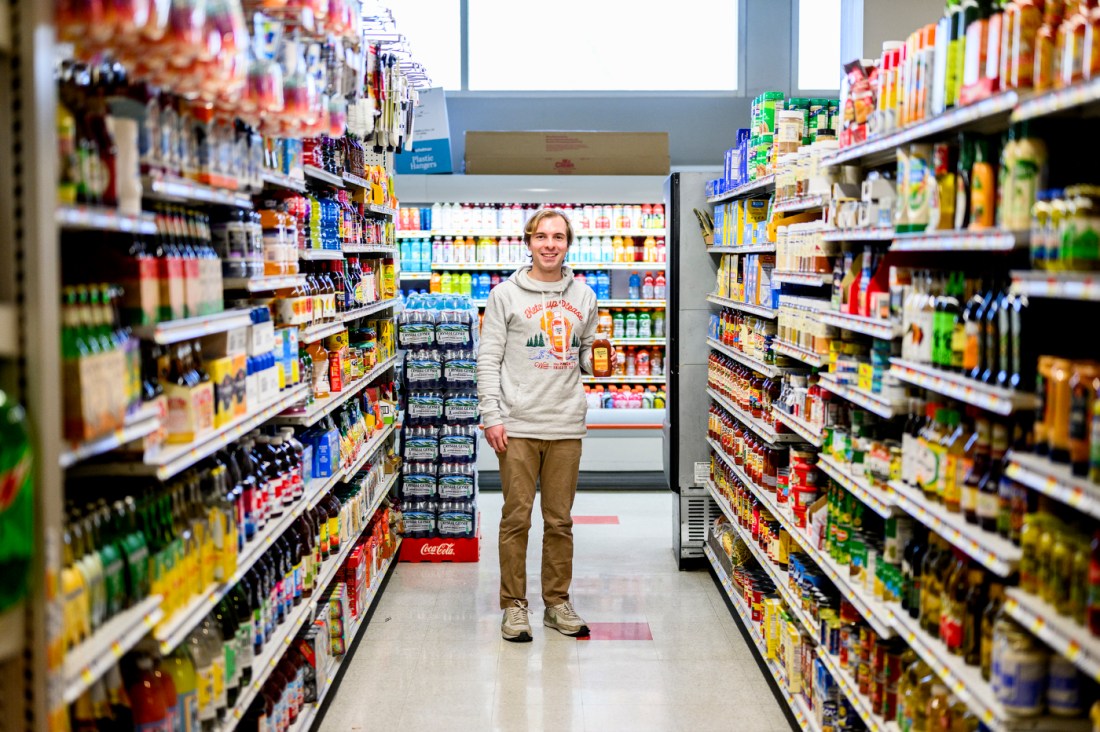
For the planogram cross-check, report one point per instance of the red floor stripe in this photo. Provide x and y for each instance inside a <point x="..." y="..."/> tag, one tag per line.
<point x="596" y="520"/>
<point x="619" y="632"/>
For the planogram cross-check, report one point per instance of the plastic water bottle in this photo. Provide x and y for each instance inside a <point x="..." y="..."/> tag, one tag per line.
<point x="635" y="286"/>
<point x="647" y="286"/>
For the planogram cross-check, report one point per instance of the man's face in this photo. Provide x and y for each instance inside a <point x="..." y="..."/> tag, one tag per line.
<point x="549" y="244"/>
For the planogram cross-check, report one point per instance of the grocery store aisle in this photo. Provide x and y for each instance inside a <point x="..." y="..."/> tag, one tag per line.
<point x="432" y="657"/>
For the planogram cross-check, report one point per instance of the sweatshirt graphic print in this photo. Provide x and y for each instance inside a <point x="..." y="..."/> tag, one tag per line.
<point x="535" y="341"/>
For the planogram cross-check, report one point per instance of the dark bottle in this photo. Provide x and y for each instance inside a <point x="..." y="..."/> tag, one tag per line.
<point x="239" y="601"/>
<point x="974" y="604"/>
<point x="927" y="568"/>
<point x="993" y="343"/>
<point x="989" y="504"/>
<point x="226" y="619"/>
<point x="1022" y="359"/>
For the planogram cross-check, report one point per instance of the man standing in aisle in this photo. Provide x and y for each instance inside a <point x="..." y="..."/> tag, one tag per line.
<point x="536" y="337"/>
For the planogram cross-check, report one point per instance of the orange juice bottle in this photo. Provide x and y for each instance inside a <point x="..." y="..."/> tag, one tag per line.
<point x="435" y="284"/>
<point x="619" y="249"/>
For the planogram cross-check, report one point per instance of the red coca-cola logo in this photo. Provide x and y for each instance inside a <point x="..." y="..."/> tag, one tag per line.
<point x="438" y="550"/>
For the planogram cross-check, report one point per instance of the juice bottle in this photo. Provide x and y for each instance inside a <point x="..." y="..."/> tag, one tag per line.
<point x="606" y="323"/>
<point x="647" y="286"/>
<point x="146" y="696"/>
<point x="620" y="254"/>
<point x="659" y="291"/>
<point x="620" y="364"/>
<point x="631" y="362"/>
<point x="631" y="322"/>
<point x="983" y="191"/>
<point x="601" y="355"/>
<point x="641" y="362"/>
<point x="645" y="325"/>
<point x="446" y="284"/>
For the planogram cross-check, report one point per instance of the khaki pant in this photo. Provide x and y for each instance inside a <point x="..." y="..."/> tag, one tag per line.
<point x="554" y="464"/>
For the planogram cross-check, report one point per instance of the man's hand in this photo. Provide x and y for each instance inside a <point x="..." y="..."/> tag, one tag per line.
<point x="497" y="437"/>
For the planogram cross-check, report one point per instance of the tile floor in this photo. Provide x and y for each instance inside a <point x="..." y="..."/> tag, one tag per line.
<point x="432" y="657"/>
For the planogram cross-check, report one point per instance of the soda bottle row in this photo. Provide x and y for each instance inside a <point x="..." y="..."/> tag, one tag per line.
<point x="494" y="217"/>
<point x="425" y="518"/>
<point x="631" y="323"/>
<point x="754" y="394"/>
<point x="625" y="397"/>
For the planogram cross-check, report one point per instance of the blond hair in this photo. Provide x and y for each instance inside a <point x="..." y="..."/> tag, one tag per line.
<point x="541" y="215"/>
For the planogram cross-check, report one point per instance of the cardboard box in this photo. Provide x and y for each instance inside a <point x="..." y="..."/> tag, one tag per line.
<point x="190" y="412"/>
<point x="228" y="375"/>
<point x="228" y="343"/>
<point x="261" y="338"/>
<point x="566" y="153"/>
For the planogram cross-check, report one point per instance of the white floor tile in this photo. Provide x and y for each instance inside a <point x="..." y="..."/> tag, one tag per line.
<point x="435" y="639"/>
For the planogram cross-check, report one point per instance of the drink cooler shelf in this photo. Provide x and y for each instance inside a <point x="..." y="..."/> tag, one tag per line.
<point x="497" y="233"/>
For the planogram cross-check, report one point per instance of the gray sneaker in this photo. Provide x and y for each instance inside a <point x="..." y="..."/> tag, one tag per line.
<point x="564" y="619"/>
<point x="515" y="627"/>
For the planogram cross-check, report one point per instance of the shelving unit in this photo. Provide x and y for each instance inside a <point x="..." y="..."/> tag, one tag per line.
<point x="498" y="233"/>
<point x="1057" y="285"/>
<point x="762" y="430"/>
<point x="999" y="555"/>
<point x="188" y="329"/>
<point x="797" y="352"/>
<point x="805" y="430"/>
<point x="88" y="662"/>
<point x="868" y="234"/>
<point x="1054" y="480"/>
<point x="98" y="218"/>
<point x="171" y="460"/>
<point x="992" y="240"/>
<point x="638" y="341"/>
<point x="180" y="190"/>
<point x="757" y="310"/>
<point x="874" y="327"/>
<point x="759" y="187"/>
<point x="874" y="403"/>
<point x="305" y="613"/>
<point x="282" y="180"/>
<point x="323" y="176"/>
<point x="808" y="279"/>
<point x="310" y="711"/>
<point x="1056" y="630"/>
<point x="795" y="702"/>
<point x="747" y="249"/>
<point x="140" y="424"/>
<point x="312" y="414"/>
<point x="802" y="203"/>
<point x="623" y="380"/>
<point x="850" y="688"/>
<point x="968" y="391"/>
<point x="876" y="613"/>
<point x="512" y="266"/>
<point x="263" y="284"/>
<point x="879" y="501"/>
<point x="986" y="114"/>
<point x="658" y="304"/>
<point x="739" y="356"/>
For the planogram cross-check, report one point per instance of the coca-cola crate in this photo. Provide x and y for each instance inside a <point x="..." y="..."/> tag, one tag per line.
<point x="442" y="550"/>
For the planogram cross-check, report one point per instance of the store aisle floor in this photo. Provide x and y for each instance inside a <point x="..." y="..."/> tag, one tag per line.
<point x="432" y="657"/>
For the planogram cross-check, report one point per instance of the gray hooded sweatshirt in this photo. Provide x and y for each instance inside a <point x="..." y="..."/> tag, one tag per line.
<point x="535" y="340"/>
